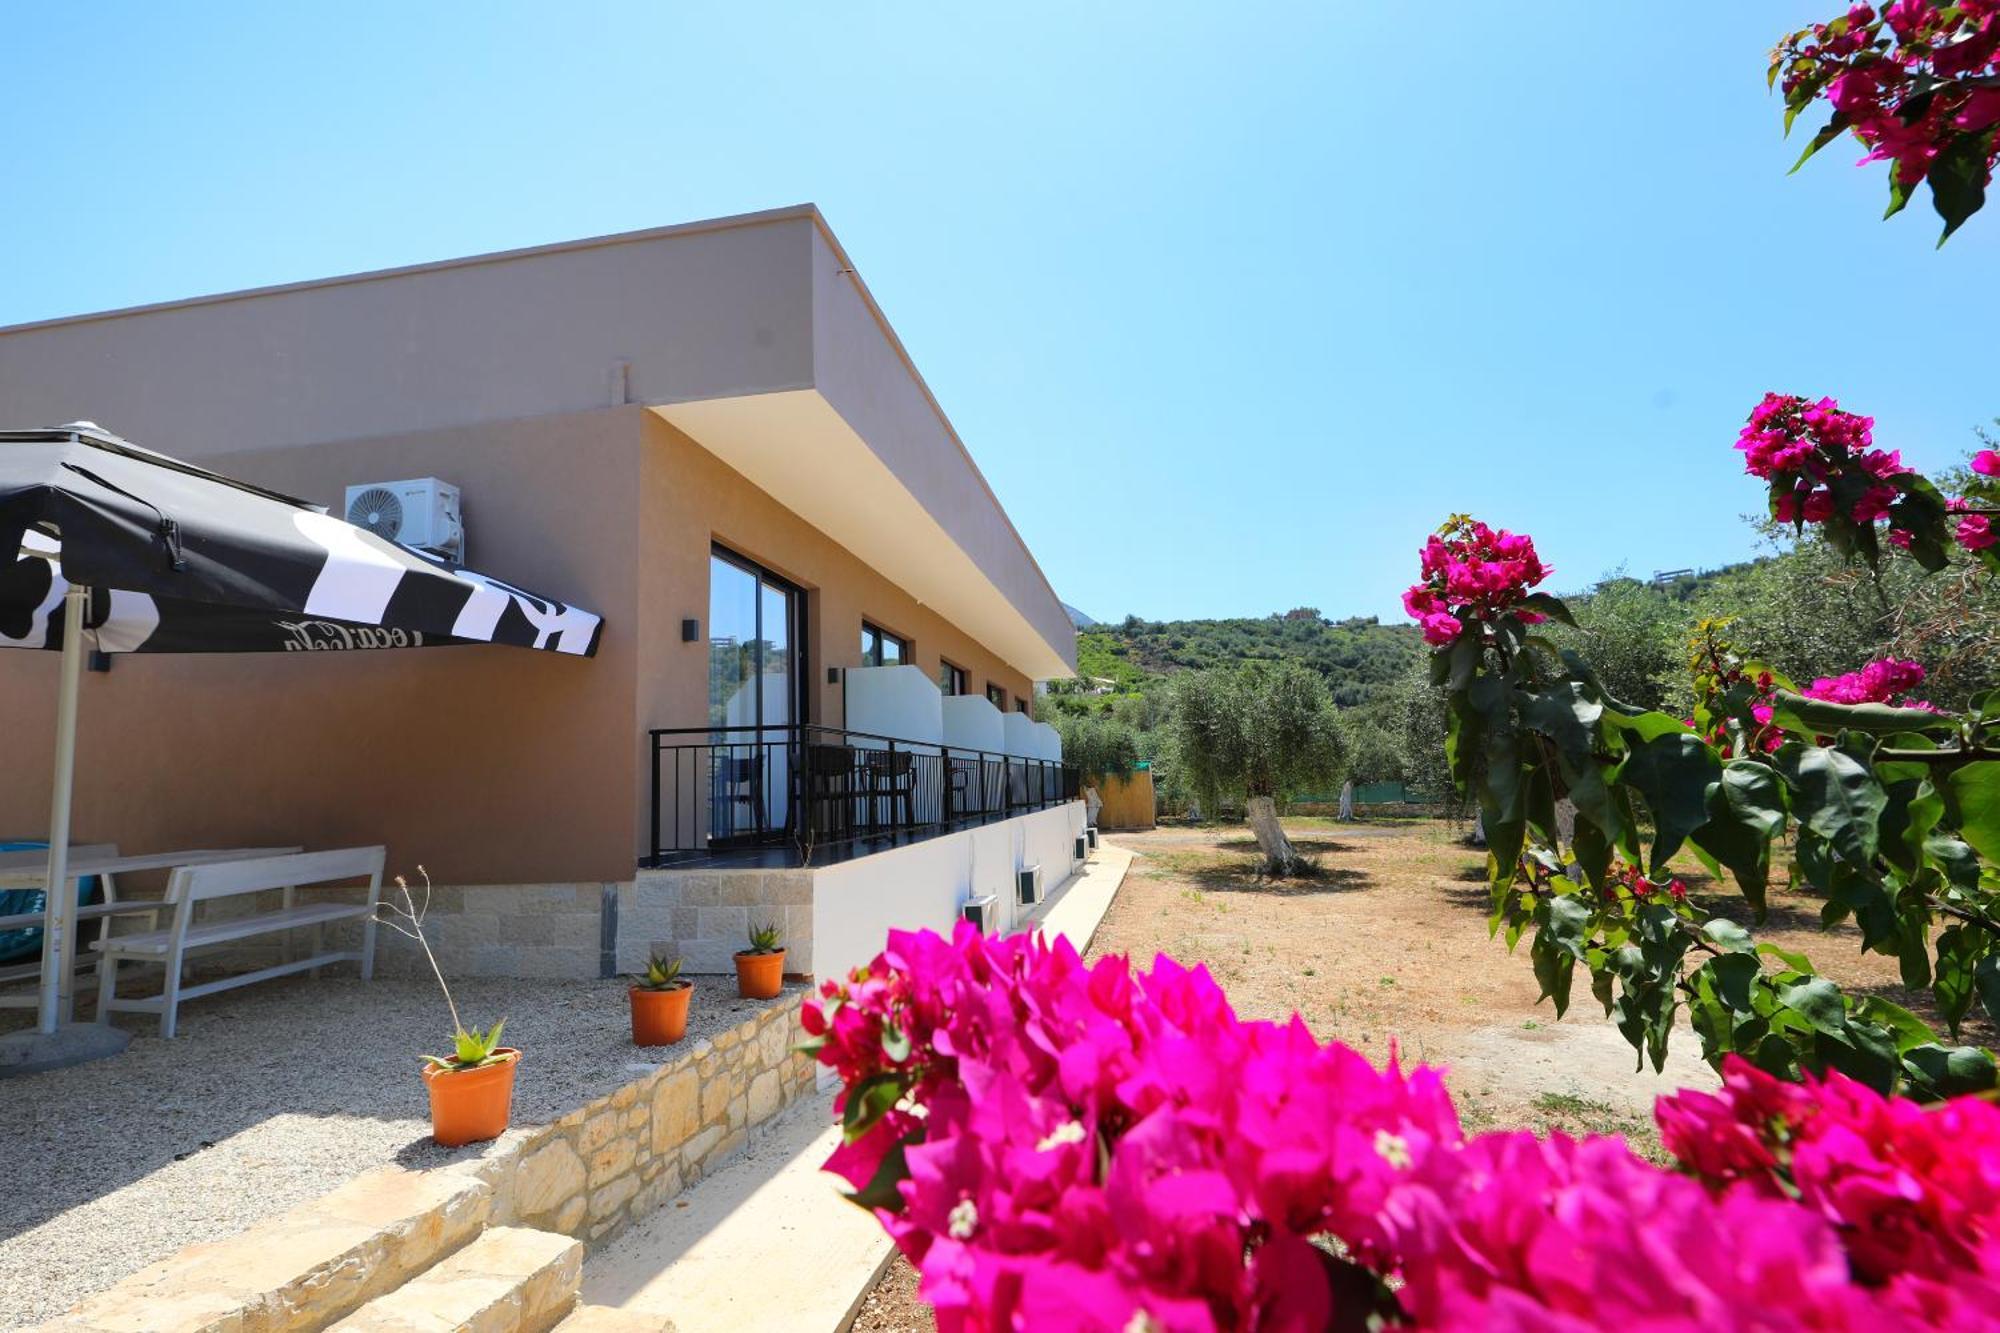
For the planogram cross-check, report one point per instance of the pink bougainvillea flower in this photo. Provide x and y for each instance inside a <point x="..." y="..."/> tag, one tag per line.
<point x="1975" y="532"/>
<point x="1986" y="463"/>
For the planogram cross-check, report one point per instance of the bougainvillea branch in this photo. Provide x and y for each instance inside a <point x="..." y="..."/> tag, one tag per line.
<point x="1889" y="809"/>
<point x="1917" y="83"/>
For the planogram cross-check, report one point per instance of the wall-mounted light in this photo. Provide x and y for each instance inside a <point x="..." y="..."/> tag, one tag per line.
<point x="99" y="661"/>
<point x="833" y="675"/>
<point x="690" y="630"/>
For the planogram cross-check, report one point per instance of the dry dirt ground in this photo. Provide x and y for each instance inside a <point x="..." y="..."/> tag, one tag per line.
<point x="1388" y="943"/>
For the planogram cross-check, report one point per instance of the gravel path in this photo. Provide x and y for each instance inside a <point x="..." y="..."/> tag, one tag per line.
<point x="272" y="1096"/>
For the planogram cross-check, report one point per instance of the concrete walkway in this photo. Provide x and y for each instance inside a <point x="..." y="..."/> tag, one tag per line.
<point x="767" y="1244"/>
<point x="1075" y="910"/>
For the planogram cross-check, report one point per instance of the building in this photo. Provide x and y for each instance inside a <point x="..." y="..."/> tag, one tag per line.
<point x="706" y="433"/>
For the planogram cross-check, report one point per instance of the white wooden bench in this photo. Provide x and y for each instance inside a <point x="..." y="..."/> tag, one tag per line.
<point x="191" y="886"/>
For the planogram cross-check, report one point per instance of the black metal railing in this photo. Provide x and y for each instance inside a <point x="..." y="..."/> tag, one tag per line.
<point x="814" y="788"/>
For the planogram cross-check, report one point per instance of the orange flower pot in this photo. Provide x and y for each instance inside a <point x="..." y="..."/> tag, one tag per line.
<point x="760" y="976"/>
<point x="468" y="1105"/>
<point x="660" y="1017"/>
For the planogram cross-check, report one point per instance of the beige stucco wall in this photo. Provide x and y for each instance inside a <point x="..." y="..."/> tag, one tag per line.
<point x="486" y="765"/>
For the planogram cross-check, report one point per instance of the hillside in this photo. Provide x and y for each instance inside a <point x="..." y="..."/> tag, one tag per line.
<point x="1358" y="657"/>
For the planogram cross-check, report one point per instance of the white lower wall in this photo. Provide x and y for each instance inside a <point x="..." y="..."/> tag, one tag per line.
<point x="856" y="904"/>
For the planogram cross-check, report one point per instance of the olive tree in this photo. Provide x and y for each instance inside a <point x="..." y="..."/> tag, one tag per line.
<point x="1262" y="730"/>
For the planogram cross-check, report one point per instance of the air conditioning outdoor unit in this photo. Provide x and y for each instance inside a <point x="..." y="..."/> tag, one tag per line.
<point x="1082" y="847"/>
<point x="1030" y="880"/>
<point x="983" y="912"/>
<point x="422" y="513"/>
<point x="1091" y="833"/>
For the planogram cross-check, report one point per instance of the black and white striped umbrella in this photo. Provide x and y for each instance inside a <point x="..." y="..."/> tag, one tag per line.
<point x="182" y="560"/>
<point x="109" y="546"/>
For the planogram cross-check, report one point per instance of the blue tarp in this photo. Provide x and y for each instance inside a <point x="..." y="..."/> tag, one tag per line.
<point x="22" y="943"/>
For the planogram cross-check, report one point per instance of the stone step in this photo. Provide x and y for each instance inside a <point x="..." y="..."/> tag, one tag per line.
<point x="606" y="1319"/>
<point x="510" y="1280"/>
<point x="302" y="1270"/>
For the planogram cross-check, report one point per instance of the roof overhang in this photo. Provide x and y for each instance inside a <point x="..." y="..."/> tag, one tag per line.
<point x="806" y="456"/>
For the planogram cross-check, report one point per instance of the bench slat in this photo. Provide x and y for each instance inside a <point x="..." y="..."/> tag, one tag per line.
<point x="157" y="942"/>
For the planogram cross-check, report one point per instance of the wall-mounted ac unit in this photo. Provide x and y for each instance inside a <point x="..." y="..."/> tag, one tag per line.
<point x="1029" y="878"/>
<point x="422" y="512"/>
<point x="983" y="912"/>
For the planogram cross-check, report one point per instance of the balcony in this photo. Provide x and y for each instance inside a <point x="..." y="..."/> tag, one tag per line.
<point x="807" y="795"/>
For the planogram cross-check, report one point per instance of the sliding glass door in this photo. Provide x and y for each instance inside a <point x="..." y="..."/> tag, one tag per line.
<point x="756" y="691"/>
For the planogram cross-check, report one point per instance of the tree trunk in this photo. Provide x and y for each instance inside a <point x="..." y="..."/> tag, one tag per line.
<point x="1262" y="813"/>
<point x="1347" y="802"/>
<point x="1479" y="829"/>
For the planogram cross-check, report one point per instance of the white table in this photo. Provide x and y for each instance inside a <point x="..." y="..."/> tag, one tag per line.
<point x="30" y="869"/>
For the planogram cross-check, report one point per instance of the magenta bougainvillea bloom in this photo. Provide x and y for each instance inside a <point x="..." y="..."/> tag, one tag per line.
<point x="1877" y="683"/>
<point x="1472" y="572"/>
<point x="1063" y="1146"/>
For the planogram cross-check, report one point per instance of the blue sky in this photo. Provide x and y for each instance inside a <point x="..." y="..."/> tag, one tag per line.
<point x="1231" y="307"/>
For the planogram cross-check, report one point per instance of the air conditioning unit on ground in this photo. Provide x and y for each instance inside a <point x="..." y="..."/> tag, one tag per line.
<point x="1091" y="833"/>
<point x="983" y="912"/>
<point x="1082" y="847"/>
<point x="422" y="512"/>
<point x="1030" y="880"/>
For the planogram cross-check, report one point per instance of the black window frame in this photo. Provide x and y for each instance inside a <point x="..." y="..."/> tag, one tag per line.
<point x="996" y="695"/>
<point x="872" y="657"/>
<point x="959" y="679"/>
<point x="802" y="645"/>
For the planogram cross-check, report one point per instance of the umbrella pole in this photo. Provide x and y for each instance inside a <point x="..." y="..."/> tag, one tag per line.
<point x="59" y="928"/>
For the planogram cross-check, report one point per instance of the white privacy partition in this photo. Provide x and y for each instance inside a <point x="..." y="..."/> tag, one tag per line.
<point x="973" y="723"/>
<point x="904" y="705"/>
<point x="1047" y="742"/>
<point x="898" y="701"/>
<point x="1021" y="740"/>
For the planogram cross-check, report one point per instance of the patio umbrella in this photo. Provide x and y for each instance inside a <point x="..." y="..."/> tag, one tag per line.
<point x="114" y="548"/>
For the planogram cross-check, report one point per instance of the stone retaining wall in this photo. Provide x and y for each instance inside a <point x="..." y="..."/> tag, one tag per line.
<point x="704" y="916"/>
<point x="612" y="1161"/>
<point x="590" y="1174"/>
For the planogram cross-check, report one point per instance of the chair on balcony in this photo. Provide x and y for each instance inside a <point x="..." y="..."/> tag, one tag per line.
<point x="829" y="787"/>
<point x="962" y="788"/>
<point x="739" y="781"/>
<point x="890" y="775"/>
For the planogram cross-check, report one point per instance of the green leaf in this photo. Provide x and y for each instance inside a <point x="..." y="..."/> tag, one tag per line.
<point x="1958" y="180"/>
<point x="1646" y="726"/>
<point x="1554" y="967"/>
<point x="1938" y="1072"/>
<point x="895" y="1043"/>
<point x="1827" y="134"/>
<point x="1672" y="773"/>
<point x="1552" y="607"/>
<point x="868" y="1101"/>
<point x="1819" y="1002"/>
<point x="1838" y="800"/>
<point x="1726" y="935"/>
<point x="1797" y="962"/>
<point x="880" y="1193"/>
<point x="1986" y="981"/>
<point x="1973" y="796"/>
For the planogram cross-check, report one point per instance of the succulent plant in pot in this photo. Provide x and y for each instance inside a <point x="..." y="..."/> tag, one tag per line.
<point x="472" y="1089"/>
<point x="660" y="1003"/>
<point x="760" y="969"/>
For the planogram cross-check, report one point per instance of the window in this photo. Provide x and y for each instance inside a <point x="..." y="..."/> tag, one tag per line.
<point x="756" y="645"/>
<point x="997" y="697"/>
<point x="952" y="680"/>
<point x="1022" y="706"/>
<point x="881" y="648"/>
